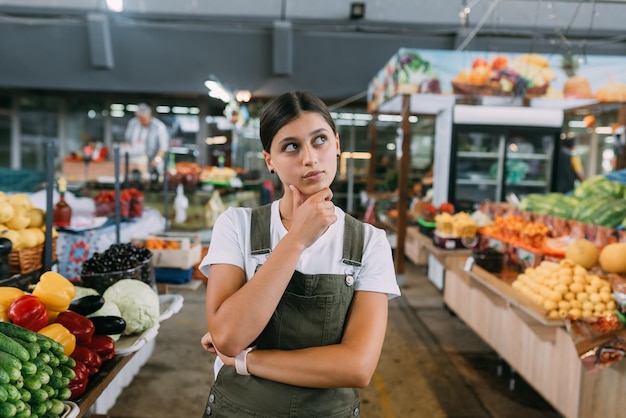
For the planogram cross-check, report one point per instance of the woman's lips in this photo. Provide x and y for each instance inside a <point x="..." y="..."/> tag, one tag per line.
<point x="313" y="175"/>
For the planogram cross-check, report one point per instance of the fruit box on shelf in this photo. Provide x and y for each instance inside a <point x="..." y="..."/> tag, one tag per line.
<point x="184" y="257"/>
<point x="453" y="242"/>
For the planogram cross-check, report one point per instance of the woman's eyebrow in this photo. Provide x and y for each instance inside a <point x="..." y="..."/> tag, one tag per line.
<point x="295" y="138"/>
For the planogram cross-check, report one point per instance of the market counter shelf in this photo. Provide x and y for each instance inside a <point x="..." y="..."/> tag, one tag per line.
<point x="539" y="349"/>
<point x="136" y="353"/>
<point x="419" y="246"/>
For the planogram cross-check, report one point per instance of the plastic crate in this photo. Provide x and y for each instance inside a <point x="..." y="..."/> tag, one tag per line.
<point x="172" y="276"/>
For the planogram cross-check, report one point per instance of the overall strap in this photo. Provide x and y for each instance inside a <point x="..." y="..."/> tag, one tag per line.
<point x="353" y="241"/>
<point x="260" y="242"/>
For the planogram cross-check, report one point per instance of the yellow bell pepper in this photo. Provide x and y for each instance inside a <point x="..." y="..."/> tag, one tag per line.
<point x="61" y="335"/>
<point x="54" y="291"/>
<point x="7" y="296"/>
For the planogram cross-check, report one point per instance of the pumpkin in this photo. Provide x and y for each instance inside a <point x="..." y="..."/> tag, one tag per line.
<point x="582" y="252"/>
<point x="613" y="258"/>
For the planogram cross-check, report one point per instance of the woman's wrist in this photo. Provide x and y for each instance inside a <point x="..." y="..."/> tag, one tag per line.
<point x="241" y="361"/>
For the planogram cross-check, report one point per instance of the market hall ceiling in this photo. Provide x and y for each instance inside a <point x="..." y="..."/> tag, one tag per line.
<point x="171" y="46"/>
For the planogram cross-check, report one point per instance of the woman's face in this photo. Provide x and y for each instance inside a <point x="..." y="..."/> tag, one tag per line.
<point x="304" y="153"/>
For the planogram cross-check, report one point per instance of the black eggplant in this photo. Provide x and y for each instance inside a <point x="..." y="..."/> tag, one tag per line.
<point x="87" y="304"/>
<point x="6" y="245"/>
<point x="108" y="325"/>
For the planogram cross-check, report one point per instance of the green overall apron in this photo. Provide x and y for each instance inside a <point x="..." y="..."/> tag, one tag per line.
<point x="311" y="312"/>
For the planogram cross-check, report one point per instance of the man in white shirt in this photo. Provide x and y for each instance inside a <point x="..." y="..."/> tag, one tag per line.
<point x="147" y="135"/>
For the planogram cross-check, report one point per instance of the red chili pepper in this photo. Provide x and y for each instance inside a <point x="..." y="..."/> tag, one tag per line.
<point x="102" y="345"/>
<point x="28" y="312"/>
<point x="88" y="357"/>
<point x="77" y="324"/>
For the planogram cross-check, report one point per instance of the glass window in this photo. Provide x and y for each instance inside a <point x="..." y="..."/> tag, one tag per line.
<point x="85" y="122"/>
<point x="38" y="122"/>
<point x="5" y="140"/>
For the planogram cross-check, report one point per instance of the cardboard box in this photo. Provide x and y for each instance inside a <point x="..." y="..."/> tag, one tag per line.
<point x="183" y="258"/>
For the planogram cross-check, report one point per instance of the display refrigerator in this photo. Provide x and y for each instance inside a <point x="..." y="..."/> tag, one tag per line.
<point x="499" y="151"/>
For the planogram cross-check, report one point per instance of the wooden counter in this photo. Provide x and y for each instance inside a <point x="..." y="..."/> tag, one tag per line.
<point x="100" y="381"/>
<point x="539" y="349"/>
<point x="78" y="171"/>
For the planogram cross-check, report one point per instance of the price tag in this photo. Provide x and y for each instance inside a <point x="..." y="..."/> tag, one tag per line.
<point x="496" y="244"/>
<point x="468" y="264"/>
<point x="526" y="258"/>
<point x="450" y="244"/>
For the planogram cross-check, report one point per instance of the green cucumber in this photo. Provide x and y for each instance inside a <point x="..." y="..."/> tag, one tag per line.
<point x="64" y="393"/>
<point x="10" y="360"/>
<point x="54" y="346"/>
<point x="28" y="368"/>
<point x="57" y="407"/>
<point x="44" y="356"/>
<point x="25" y="395"/>
<point x="15" y="331"/>
<point x="12" y="392"/>
<point x="54" y="360"/>
<point x="39" y="396"/>
<point x="67" y="372"/>
<point x="58" y="382"/>
<point x="50" y="391"/>
<point x="4" y="376"/>
<point x="26" y="413"/>
<point x="13" y="372"/>
<point x="38" y="408"/>
<point x="67" y="360"/>
<point x="32" y="383"/>
<point x="19" y="405"/>
<point x="11" y="346"/>
<point x="4" y="395"/>
<point x="33" y="348"/>
<point x="7" y="410"/>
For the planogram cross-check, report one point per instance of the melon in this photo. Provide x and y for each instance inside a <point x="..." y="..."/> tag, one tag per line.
<point x="582" y="252"/>
<point x="613" y="258"/>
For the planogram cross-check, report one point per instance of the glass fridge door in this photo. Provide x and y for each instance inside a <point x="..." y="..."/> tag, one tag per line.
<point x="529" y="156"/>
<point x="479" y="167"/>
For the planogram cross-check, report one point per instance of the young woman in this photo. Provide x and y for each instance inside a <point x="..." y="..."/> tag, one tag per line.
<point x="297" y="290"/>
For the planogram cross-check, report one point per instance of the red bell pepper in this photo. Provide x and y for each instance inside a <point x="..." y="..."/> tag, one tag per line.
<point x="79" y="383"/>
<point x="77" y="324"/>
<point x="102" y="345"/>
<point x="88" y="357"/>
<point x="28" y="312"/>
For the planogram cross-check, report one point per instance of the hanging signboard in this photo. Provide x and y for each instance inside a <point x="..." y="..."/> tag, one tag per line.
<point x="480" y="73"/>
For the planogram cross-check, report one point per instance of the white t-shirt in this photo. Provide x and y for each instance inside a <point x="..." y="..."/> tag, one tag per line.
<point x="230" y="244"/>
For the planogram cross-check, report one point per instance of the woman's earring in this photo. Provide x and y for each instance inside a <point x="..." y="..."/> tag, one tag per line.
<point x="338" y="155"/>
<point x="272" y="171"/>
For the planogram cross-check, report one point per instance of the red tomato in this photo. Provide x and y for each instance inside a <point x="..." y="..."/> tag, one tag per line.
<point x="480" y="62"/>
<point x="500" y="62"/>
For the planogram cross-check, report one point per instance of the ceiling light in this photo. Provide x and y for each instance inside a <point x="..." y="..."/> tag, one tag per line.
<point x="115" y="5"/>
<point x="243" y="96"/>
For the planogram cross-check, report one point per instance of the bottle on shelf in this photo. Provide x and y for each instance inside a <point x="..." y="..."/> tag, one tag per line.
<point x="62" y="213"/>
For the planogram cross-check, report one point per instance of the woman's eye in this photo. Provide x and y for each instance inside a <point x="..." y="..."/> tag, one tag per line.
<point x="291" y="147"/>
<point x="320" y="140"/>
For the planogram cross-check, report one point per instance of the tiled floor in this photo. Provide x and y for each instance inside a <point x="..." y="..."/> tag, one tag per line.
<point x="432" y="366"/>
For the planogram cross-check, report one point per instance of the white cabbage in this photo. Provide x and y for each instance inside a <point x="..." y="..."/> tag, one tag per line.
<point x="138" y="304"/>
